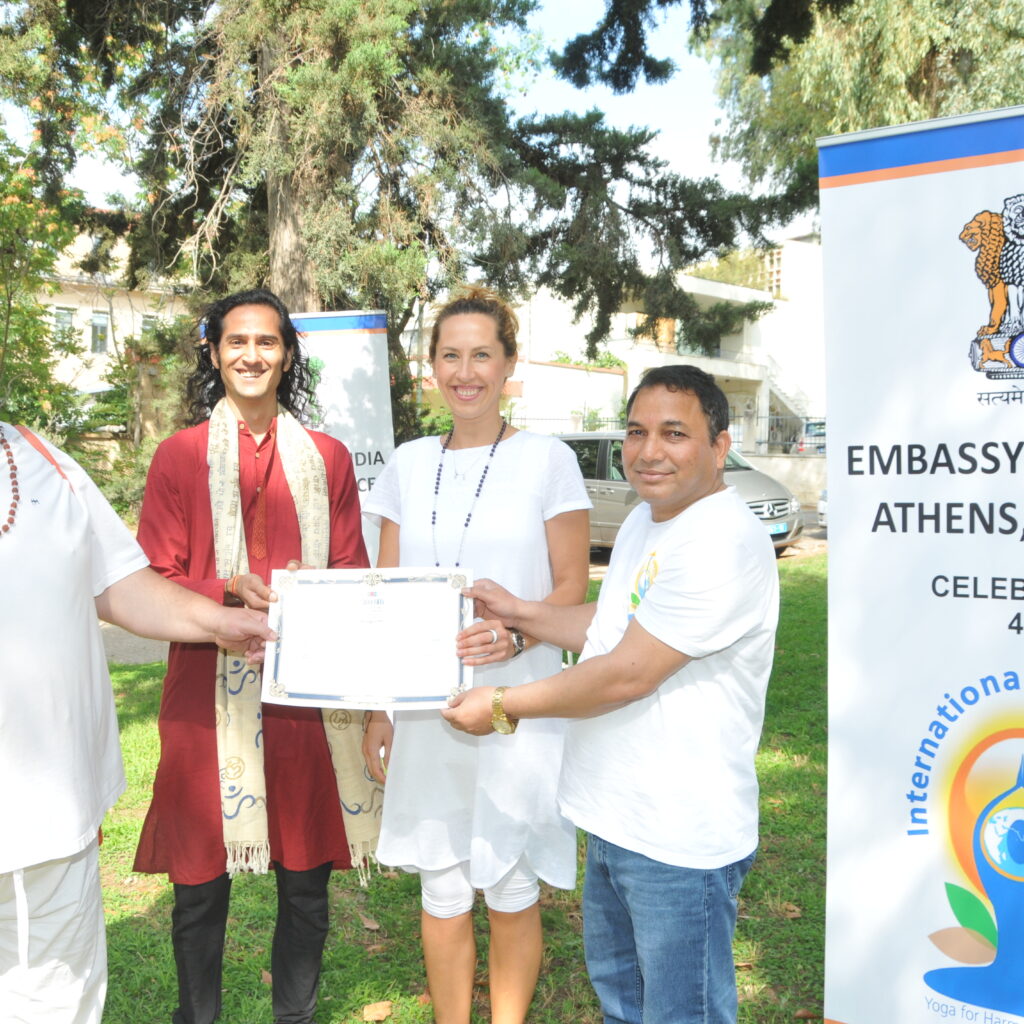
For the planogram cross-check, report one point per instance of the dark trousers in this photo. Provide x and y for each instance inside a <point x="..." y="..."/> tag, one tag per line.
<point x="198" y="922"/>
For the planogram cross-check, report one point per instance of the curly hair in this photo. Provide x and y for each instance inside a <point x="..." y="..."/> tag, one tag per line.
<point x="477" y="299"/>
<point x="205" y="387"/>
<point x="713" y="402"/>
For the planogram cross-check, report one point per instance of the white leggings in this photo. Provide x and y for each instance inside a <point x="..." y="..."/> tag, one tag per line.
<point x="448" y="892"/>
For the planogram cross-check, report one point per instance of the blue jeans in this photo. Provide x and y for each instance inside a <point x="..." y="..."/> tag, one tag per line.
<point x="658" y="938"/>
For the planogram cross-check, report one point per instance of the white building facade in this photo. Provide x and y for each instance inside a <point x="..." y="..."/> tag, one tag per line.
<point x="102" y="313"/>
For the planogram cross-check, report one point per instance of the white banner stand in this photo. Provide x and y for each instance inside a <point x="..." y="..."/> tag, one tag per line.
<point x="923" y="247"/>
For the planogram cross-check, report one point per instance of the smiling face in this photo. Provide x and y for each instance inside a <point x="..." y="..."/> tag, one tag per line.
<point x="471" y="367"/>
<point x="669" y="458"/>
<point x="251" y="358"/>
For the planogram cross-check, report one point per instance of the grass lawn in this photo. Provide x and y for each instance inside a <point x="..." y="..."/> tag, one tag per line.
<point x="373" y="951"/>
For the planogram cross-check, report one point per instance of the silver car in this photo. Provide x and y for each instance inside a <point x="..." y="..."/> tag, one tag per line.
<point x="600" y="458"/>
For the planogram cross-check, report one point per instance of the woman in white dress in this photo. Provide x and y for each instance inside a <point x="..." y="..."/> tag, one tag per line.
<point x="470" y="812"/>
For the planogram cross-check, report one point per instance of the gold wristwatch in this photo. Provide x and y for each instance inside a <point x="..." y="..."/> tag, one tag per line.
<point x="500" y="722"/>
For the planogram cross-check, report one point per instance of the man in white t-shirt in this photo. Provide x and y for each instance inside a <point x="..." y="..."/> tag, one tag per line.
<point x="65" y="557"/>
<point x="667" y="703"/>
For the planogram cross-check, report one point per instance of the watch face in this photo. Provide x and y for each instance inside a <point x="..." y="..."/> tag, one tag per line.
<point x="500" y="722"/>
<point x="518" y="641"/>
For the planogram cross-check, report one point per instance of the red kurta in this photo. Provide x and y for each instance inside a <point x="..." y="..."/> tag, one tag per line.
<point x="182" y="834"/>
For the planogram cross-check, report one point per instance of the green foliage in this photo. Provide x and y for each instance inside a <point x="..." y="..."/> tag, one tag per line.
<point x="125" y="482"/>
<point x="604" y="360"/>
<point x="106" y="228"/>
<point x="744" y="267"/>
<point x="355" y="155"/>
<point x="794" y="70"/>
<point x="33" y="232"/>
<point x="592" y="420"/>
<point x="65" y="97"/>
<point x="616" y="51"/>
<point x="166" y="347"/>
<point x="597" y="195"/>
<point x="406" y="418"/>
<point x="373" y="145"/>
<point x="436" y="421"/>
<point x="144" y="402"/>
<point x="697" y="330"/>
<point x="875" y="62"/>
<point x="719" y="320"/>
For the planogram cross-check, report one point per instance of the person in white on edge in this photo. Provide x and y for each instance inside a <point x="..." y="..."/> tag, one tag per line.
<point x="65" y="557"/>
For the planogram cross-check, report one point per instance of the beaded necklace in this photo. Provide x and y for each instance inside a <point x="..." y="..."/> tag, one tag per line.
<point x="479" y="487"/>
<point x="15" y="491"/>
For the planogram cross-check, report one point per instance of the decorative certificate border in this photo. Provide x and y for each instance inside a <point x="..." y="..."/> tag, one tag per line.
<point x="367" y="638"/>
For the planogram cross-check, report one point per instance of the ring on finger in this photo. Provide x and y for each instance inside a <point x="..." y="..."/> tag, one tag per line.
<point x="494" y="636"/>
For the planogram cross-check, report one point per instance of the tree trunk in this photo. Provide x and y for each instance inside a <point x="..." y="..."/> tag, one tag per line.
<point x="291" y="272"/>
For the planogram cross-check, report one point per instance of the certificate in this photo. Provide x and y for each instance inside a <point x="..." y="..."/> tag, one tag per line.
<point x="367" y="638"/>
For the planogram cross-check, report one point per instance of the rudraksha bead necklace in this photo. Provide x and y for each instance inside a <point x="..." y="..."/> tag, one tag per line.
<point x="15" y="490"/>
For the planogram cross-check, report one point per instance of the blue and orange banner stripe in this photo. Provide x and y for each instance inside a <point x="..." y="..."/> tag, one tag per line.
<point x="933" y="147"/>
<point x="370" y="321"/>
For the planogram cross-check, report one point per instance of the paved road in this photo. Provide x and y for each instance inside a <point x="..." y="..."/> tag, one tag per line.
<point x="128" y="649"/>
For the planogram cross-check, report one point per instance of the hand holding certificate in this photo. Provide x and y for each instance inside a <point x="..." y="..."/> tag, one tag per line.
<point x="367" y="638"/>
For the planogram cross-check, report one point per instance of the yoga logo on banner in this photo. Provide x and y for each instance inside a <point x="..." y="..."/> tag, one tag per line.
<point x="971" y="762"/>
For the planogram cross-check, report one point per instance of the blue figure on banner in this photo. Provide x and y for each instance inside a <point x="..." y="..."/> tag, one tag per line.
<point x="998" y="848"/>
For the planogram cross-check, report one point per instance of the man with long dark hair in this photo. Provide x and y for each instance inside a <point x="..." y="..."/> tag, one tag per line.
<point x="242" y="786"/>
<point x="206" y="386"/>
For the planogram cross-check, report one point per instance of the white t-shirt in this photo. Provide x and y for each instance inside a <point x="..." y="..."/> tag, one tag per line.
<point x="60" y="760"/>
<point x="451" y="797"/>
<point x="671" y="776"/>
